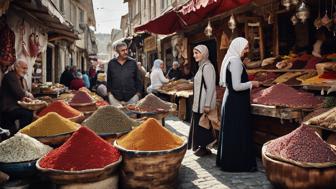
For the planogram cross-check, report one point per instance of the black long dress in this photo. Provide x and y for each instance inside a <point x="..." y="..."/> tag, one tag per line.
<point x="236" y="149"/>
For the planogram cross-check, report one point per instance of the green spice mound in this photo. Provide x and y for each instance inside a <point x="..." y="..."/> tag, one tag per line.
<point x="109" y="120"/>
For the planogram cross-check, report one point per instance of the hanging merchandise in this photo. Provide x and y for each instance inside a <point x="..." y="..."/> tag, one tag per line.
<point x="295" y="2"/>
<point x="7" y="44"/>
<point x="24" y="51"/>
<point x="303" y="12"/>
<point x="225" y="41"/>
<point x="318" y="21"/>
<point x="294" y="20"/>
<point x="208" y="30"/>
<point x="232" y="23"/>
<point x="286" y="3"/>
<point x="34" y="44"/>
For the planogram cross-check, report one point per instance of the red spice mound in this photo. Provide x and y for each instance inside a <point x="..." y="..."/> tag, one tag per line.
<point x="302" y="145"/>
<point x="81" y="97"/>
<point x="61" y="108"/>
<point x="84" y="150"/>
<point x="283" y="95"/>
<point x="328" y="75"/>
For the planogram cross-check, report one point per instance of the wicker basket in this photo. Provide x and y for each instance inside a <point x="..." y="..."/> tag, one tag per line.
<point x="84" y="176"/>
<point x="54" y="140"/>
<point x="33" y="107"/>
<point x="287" y="175"/>
<point x="87" y="107"/>
<point x="77" y="119"/>
<point x="151" y="169"/>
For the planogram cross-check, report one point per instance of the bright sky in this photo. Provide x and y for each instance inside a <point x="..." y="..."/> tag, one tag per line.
<point x="108" y="14"/>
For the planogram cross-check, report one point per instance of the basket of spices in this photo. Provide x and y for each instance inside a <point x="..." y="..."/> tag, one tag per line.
<point x="109" y="123"/>
<point x="85" y="157"/>
<point x="152" y="104"/>
<point x="152" y="156"/>
<point x="83" y="102"/>
<point x="63" y="109"/>
<point x="300" y="160"/>
<point x="51" y="129"/>
<point x="34" y="105"/>
<point x="19" y="153"/>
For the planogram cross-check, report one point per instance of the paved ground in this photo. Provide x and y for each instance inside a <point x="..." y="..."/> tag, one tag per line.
<point x="202" y="173"/>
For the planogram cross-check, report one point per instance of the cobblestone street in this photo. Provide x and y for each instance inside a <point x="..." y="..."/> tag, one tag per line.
<point x="202" y="172"/>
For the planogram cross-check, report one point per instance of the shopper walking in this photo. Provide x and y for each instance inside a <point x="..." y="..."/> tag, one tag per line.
<point x="204" y="101"/>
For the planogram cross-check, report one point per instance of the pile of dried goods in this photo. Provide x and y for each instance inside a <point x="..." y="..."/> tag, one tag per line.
<point x="150" y="136"/>
<point x="326" y="119"/>
<point x="285" y="96"/>
<point x="110" y="120"/>
<point x="151" y="103"/>
<point x="81" y="97"/>
<point x="20" y="148"/>
<point x="49" y="125"/>
<point x="178" y="85"/>
<point x="84" y="150"/>
<point x="61" y="108"/>
<point x="302" y="145"/>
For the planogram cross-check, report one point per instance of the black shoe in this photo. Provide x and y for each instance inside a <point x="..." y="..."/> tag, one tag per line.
<point x="200" y="152"/>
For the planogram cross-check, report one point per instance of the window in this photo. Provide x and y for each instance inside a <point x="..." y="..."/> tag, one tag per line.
<point x="61" y="6"/>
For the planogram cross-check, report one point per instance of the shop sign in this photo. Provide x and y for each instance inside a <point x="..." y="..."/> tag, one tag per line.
<point x="150" y="44"/>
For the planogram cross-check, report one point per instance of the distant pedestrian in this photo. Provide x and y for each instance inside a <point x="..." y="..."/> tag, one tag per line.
<point x="77" y="82"/>
<point x="86" y="79"/>
<point x="66" y="77"/>
<point x="174" y="73"/>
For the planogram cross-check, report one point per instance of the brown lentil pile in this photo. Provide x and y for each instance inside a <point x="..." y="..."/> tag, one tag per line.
<point x="302" y="145"/>
<point x="152" y="103"/>
<point x="109" y="119"/>
<point x="20" y="148"/>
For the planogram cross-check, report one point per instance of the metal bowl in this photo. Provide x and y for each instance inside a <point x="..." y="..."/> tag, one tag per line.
<point x="19" y="169"/>
<point x="84" y="176"/>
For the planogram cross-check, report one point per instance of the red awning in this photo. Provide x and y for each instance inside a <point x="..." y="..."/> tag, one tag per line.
<point x="188" y="14"/>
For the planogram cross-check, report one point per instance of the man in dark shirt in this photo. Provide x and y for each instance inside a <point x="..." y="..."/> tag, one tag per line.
<point x="13" y="89"/>
<point x="66" y="77"/>
<point x="174" y="72"/>
<point x="123" y="77"/>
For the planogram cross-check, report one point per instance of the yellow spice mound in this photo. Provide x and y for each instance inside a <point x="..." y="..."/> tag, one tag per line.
<point x="150" y="136"/>
<point x="48" y="125"/>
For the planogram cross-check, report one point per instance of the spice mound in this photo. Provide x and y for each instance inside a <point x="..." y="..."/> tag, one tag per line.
<point x="81" y="97"/>
<point x="20" y="148"/>
<point x="152" y="103"/>
<point x="49" y="125"/>
<point x="285" y="96"/>
<point x="84" y="150"/>
<point x="302" y="145"/>
<point x="109" y="119"/>
<point x="61" y="108"/>
<point x="150" y="136"/>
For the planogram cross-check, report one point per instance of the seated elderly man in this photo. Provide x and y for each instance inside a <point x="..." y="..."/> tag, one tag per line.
<point x="14" y="88"/>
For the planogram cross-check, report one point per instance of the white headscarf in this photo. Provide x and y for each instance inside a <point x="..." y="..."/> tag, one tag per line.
<point x="236" y="48"/>
<point x="205" y="52"/>
<point x="156" y="65"/>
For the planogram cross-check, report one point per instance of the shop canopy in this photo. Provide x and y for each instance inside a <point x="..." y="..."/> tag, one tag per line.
<point x="192" y="12"/>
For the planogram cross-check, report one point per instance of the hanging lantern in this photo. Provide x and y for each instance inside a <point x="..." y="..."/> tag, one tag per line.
<point x="303" y="12"/>
<point x="232" y="23"/>
<point x="294" y="20"/>
<point x="286" y="3"/>
<point x="208" y="30"/>
<point x="295" y="2"/>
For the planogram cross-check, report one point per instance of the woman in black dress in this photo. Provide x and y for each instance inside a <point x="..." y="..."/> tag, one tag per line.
<point x="236" y="148"/>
